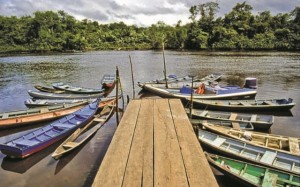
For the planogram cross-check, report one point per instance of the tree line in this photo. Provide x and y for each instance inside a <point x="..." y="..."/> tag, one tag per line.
<point x="238" y="30"/>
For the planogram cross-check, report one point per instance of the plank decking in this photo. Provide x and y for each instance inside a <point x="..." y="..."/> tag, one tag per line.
<point x="154" y="145"/>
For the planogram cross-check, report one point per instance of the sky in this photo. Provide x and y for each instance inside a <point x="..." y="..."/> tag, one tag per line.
<point x="136" y="12"/>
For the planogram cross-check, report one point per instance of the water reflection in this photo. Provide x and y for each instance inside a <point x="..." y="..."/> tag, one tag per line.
<point x="22" y="165"/>
<point x="277" y="74"/>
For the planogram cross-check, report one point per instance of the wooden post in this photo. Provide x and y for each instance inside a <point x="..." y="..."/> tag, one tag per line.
<point x="192" y="93"/>
<point x="165" y="69"/>
<point x="117" y="94"/>
<point x="133" y="93"/>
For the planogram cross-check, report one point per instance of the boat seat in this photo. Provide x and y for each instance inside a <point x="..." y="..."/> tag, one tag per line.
<point x="253" y="118"/>
<point x="268" y="157"/>
<point x="218" y="141"/>
<point x="5" y="115"/>
<point x="269" y="102"/>
<point x="99" y="120"/>
<point x="232" y="116"/>
<point x="204" y="113"/>
<point x="245" y="103"/>
<point x="70" y="144"/>
<point x="26" y="143"/>
<point x="294" y="145"/>
<point x="44" y="110"/>
<point x="270" y="179"/>
<point x="61" y="126"/>
<point x="236" y="126"/>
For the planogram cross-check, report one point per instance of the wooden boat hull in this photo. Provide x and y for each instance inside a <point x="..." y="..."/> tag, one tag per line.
<point x="75" y="89"/>
<point x="70" y="143"/>
<point x="245" y="105"/>
<point x="289" y="145"/>
<point x="41" y="138"/>
<point x="225" y="124"/>
<point x="169" y="93"/>
<point x="31" y="103"/>
<point x="250" y="153"/>
<point x="41" y="95"/>
<point x="42" y="114"/>
<point x="259" y="122"/>
<point x="174" y="79"/>
<point x="48" y="90"/>
<point x="248" y="174"/>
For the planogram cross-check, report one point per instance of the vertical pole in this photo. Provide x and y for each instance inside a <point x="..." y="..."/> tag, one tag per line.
<point x="192" y="93"/>
<point x="165" y="69"/>
<point x="117" y="94"/>
<point x="133" y="93"/>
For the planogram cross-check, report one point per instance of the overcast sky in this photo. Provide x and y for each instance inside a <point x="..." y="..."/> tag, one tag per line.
<point x="138" y="12"/>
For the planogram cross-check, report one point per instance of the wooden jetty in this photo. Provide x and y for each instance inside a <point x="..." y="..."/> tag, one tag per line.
<point x="155" y="145"/>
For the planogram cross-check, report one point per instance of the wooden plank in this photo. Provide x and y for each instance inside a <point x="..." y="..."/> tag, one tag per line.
<point x="168" y="164"/>
<point x="233" y="116"/>
<point x="268" y="157"/>
<point x="148" y="150"/>
<point x="112" y="168"/>
<point x="236" y="126"/>
<point x="269" y="102"/>
<point x="253" y="118"/>
<point x="203" y="114"/>
<point x="70" y="144"/>
<point x="269" y="180"/>
<point x="134" y="170"/>
<point x="245" y="103"/>
<point x="197" y="168"/>
<point x="294" y="145"/>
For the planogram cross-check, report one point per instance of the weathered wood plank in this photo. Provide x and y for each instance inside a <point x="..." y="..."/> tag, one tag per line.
<point x="197" y="168"/>
<point x="168" y="164"/>
<point x="112" y="168"/>
<point x="148" y="146"/>
<point x="134" y="170"/>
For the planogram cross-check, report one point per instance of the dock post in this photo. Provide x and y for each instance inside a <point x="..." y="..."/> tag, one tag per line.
<point x="133" y="90"/>
<point x="165" y="69"/>
<point x="192" y="93"/>
<point x="117" y="94"/>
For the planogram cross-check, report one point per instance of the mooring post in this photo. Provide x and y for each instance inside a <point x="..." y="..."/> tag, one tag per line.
<point x="165" y="69"/>
<point x="133" y="90"/>
<point x="192" y="93"/>
<point x="117" y="94"/>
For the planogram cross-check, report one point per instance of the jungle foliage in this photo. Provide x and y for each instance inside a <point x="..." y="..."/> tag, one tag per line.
<point x="239" y="29"/>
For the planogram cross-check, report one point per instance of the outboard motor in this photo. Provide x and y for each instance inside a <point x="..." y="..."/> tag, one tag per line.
<point x="250" y="83"/>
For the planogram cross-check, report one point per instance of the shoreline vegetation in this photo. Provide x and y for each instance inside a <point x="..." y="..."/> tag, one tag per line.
<point x="239" y="30"/>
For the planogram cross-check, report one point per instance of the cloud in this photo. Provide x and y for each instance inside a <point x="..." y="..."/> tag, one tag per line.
<point x="142" y="12"/>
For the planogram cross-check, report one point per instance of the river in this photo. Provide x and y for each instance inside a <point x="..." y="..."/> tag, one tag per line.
<point x="278" y="75"/>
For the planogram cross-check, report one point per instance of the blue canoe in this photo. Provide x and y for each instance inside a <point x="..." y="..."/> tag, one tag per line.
<point x="40" y="138"/>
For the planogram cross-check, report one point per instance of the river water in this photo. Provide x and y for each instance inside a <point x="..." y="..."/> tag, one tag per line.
<point x="278" y="75"/>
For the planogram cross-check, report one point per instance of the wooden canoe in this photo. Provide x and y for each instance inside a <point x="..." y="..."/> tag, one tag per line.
<point x="41" y="138"/>
<point x="249" y="152"/>
<point x="262" y="122"/>
<point x="43" y="95"/>
<point x="174" y="79"/>
<point x="248" y="174"/>
<point x="244" y="105"/>
<point x="36" y="115"/>
<point x="72" y="141"/>
<point x="185" y="93"/>
<point x="277" y="142"/>
<point x="48" y="89"/>
<point x="23" y="117"/>
<point x="226" y="124"/>
<point x="31" y="103"/>
<point x="76" y="89"/>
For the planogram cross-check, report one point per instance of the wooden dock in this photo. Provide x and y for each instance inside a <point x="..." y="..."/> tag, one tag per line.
<point x="154" y="145"/>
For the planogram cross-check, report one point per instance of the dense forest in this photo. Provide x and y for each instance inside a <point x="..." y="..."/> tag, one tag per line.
<point x="240" y="29"/>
